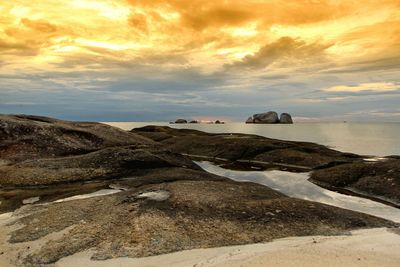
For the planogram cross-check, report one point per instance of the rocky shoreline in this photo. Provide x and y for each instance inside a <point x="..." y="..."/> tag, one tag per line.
<point x="167" y="202"/>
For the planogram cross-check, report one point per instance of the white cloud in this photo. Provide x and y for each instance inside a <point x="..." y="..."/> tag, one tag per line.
<point x="375" y="87"/>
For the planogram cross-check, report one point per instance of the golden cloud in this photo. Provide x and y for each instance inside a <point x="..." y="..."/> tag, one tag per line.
<point x="203" y="34"/>
<point x="370" y="87"/>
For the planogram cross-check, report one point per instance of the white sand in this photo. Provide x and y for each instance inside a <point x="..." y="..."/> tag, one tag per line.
<point x="373" y="247"/>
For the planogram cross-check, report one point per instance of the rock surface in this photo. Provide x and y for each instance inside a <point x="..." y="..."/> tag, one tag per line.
<point x="108" y="163"/>
<point x="285" y="118"/>
<point x="190" y="214"/>
<point x="27" y="137"/>
<point x="378" y="180"/>
<point x="249" y="120"/>
<point x="254" y="149"/>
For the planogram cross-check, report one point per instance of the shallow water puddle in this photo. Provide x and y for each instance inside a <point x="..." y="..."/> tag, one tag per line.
<point x="30" y="200"/>
<point x="155" y="195"/>
<point x="296" y="185"/>
<point x="375" y="159"/>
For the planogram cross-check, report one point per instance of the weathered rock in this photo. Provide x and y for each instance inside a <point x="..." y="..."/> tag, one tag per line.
<point x="249" y="120"/>
<point x="285" y="118"/>
<point x="268" y="117"/>
<point x="109" y="163"/>
<point x="189" y="215"/>
<point x="378" y="180"/>
<point x="181" y="121"/>
<point x="254" y="149"/>
<point x="219" y="122"/>
<point x="194" y="121"/>
<point x="28" y="137"/>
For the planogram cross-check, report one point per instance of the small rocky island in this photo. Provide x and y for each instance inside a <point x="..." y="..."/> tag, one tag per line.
<point x="165" y="202"/>
<point x="183" y="121"/>
<point x="270" y="117"/>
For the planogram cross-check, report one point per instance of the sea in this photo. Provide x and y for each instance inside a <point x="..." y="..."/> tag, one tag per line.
<point x="369" y="139"/>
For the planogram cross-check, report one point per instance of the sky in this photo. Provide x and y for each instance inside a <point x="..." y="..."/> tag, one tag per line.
<point x="157" y="60"/>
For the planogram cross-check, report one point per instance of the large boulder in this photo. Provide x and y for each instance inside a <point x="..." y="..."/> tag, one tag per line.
<point x="377" y="180"/>
<point x="108" y="163"/>
<point x="268" y="117"/>
<point x="181" y="121"/>
<point x="29" y="137"/>
<point x="286" y="118"/>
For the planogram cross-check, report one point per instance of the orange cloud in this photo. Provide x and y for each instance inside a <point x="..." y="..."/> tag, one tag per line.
<point x="207" y="35"/>
<point x="371" y="87"/>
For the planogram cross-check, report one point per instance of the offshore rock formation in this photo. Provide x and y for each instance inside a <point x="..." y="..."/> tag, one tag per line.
<point x="285" y="118"/>
<point x="270" y="117"/>
<point x="181" y="121"/>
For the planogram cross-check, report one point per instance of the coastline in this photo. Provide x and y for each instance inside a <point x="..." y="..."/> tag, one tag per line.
<point x="169" y="206"/>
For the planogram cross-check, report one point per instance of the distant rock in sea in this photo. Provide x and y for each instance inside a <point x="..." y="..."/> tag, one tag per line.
<point x="286" y="118"/>
<point x="270" y="117"/>
<point x="219" y="122"/>
<point x="194" y="121"/>
<point x="181" y="121"/>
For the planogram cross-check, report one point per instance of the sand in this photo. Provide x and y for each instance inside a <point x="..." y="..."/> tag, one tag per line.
<point x="372" y="247"/>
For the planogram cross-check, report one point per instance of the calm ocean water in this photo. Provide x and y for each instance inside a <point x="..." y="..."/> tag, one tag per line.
<point x="375" y="139"/>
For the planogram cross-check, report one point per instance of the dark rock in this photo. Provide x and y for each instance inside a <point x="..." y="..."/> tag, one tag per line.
<point x="234" y="147"/>
<point x="28" y="137"/>
<point x="194" y="121"/>
<point x="181" y="121"/>
<point x="378" y="180"/>
<point x="109" y="163"/>
<point x="268" y="117"/>
<point x="219" y="122"/>
<point x="286" y="118"/>
<point x="249" y="120"/>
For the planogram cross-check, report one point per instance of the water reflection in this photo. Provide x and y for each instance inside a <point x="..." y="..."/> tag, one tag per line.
<point x="296" y="185"/>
